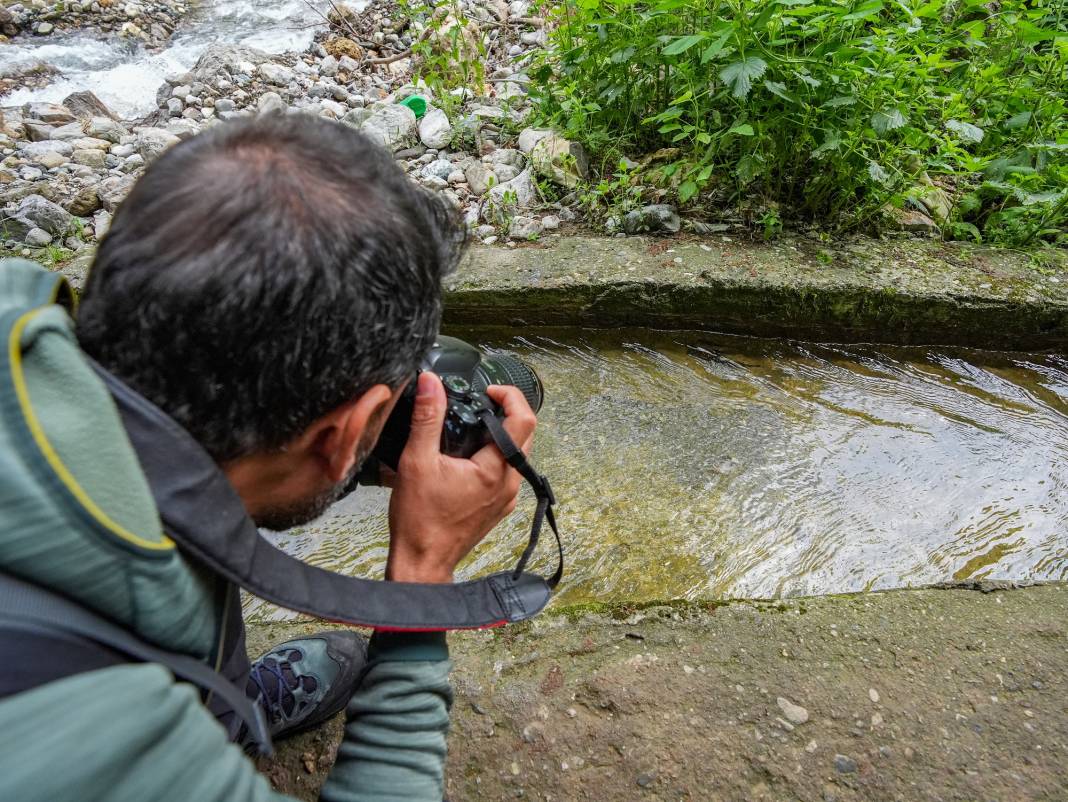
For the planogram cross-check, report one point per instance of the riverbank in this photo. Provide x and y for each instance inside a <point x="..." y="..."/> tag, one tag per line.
<point x="908" y="291"/>
<point x="947" y="694"/>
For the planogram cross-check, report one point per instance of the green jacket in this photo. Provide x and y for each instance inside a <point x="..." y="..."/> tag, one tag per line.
<point x="76" y="516"/>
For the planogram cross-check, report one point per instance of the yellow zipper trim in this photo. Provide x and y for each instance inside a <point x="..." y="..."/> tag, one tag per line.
<point x="65" y="476"/>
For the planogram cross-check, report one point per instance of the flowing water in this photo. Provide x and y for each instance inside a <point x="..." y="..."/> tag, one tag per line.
<point x="696" y="465"/>
<point x="126" y="76"/>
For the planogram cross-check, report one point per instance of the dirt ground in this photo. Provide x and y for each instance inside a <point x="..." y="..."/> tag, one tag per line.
<point x="935" y="694"/>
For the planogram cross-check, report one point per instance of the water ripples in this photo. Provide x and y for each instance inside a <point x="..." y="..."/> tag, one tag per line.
<point x="695" y="465"/>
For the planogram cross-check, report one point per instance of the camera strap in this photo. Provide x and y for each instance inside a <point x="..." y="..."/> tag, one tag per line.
<point x="543" y="491"/>
<point x="203" y="514"/>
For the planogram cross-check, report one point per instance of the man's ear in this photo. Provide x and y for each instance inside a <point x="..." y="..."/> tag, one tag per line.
<point x="336" y="436"/>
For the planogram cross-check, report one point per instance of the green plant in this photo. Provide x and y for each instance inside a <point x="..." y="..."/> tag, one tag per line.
<point x="831" y="109"/>
<point x="450" y="51"/>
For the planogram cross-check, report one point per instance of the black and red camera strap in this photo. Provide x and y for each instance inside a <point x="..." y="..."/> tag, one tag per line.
<point x="203" y="514"/>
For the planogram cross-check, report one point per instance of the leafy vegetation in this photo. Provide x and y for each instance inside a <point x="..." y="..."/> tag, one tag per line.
<point x="826" y="111"/>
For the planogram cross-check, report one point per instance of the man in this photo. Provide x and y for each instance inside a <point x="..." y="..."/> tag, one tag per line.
<point x="263" y="297"/>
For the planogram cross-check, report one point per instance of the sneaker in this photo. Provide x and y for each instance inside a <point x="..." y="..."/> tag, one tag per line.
<point x="304" y="682"/>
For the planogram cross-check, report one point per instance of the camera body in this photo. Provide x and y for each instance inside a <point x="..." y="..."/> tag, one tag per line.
<point x="465" y="373"/>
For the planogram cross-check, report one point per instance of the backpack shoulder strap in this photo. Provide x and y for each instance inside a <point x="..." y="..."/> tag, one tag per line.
<point x="30" y="609"/>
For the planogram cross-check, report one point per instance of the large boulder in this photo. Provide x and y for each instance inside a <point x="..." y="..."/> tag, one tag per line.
<point x="560" y="160"/>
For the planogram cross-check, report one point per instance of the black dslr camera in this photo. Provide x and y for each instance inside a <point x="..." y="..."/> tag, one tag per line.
<point x="466" y="373"/>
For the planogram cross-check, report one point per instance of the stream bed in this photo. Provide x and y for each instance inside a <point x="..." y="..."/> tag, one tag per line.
<point x="693" y="465"/>
<point x="126" y="76"/>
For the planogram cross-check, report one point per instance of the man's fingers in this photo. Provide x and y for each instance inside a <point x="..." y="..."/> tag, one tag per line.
<point x="519" y="418"/>
<point x="428" y="417"/>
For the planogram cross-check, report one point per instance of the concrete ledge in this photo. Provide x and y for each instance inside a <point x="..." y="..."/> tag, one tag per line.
<point x="896" y="291"/>
<point x="948" y="694"/>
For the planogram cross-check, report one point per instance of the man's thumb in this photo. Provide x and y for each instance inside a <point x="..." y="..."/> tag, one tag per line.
<point x="428" y="415"/>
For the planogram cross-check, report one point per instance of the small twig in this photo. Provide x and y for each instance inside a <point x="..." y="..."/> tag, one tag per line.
<point x="429" y="29"/>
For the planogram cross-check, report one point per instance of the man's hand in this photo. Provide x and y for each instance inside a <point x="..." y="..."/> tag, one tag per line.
<point x="442" y="507"/>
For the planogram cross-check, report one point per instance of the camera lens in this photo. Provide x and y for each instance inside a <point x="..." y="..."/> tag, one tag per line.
<point x="505" y="369"/>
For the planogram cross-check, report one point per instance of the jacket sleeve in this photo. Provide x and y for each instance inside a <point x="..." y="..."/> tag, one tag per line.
<point x="397" y="722"/>
<point x="124" y="734"/>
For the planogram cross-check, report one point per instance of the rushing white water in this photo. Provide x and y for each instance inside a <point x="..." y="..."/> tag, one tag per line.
<point x="126" y="77"/>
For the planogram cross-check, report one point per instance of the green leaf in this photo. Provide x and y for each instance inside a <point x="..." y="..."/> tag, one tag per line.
<point x="888" y="120"/>
<point x="682" y="44"/>
<point x="741" y="74"/>
<point x="687" y="189"/>
<point x="841" y="100"/>
<point x="779" y="89"/>
<point x="714" y="49"/>
<point x="704" y="138"/>
<point x="966" y="131"/>
<point x="687" y="95"/>
<point x="961" y="229"/>
<point x="832" y="141"/>
<point x="794" y="2"/>
<point x="745" y="129"/>
<point x="706" y="171"/>
<point x="863" y="11"/>
<point x="1017" y="121"/>
<point x="878" y="173"/>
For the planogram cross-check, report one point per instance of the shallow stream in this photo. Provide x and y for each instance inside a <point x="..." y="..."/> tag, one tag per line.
<point x="126" y="76"/>
<point x="696" y="465"/>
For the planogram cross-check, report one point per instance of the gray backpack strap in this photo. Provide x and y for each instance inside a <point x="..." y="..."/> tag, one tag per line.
<point x="25" y="607"/>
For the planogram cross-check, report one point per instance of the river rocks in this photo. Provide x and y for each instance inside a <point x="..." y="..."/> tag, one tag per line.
<point x="440" y="168"/>
<point x="560" y="160"/>
<point x="480" y="178"/>
<point x="507" y="197"/>
<point x="86" y="105"/>
<point x="276" y="74"/>
<point x="42" y="213"/>
<point x="525" y="228"/>
<point x="151" y="142"/>
<point x="85" y="203"/>
<point x="530" y="137"/>
<point x="68" y="132"/>
<point x="271" y="103"/>
<point x="44" y="28"/>
<point x="844" y="764"/>
<point x="105" y="128"/>
<point x="435" y="130"/>
<point x="48" y="113"/>
<point x="390" y="125"/>
<point x="35" y="150"/>
<point x="655" y="219"/>
<point x="37" y="131"/>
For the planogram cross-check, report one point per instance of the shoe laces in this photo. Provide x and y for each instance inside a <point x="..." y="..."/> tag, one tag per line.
<point x="278" y="683"/>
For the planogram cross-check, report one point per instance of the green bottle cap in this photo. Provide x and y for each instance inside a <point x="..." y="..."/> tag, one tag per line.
<point x="416" y="103"/>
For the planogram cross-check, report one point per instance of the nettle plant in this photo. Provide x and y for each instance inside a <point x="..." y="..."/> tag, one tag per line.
<point x="827" y="110"/>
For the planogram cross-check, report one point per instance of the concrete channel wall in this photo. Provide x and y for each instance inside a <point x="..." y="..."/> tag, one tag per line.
<point x="894" y="291"/>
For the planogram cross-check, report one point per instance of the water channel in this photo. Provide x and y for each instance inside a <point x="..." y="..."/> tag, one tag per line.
<point x="695" y="465"/>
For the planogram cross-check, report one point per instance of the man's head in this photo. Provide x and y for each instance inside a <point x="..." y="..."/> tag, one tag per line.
<point x="271" y="285"/>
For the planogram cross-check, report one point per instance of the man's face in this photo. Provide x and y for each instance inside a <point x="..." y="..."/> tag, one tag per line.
<point x="310" y="506"/>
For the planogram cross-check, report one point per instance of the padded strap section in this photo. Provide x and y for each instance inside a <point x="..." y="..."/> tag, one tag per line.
<point x="31" y="609"/>
<point x="203" y="514"/>
<point x="515" y="457"/>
